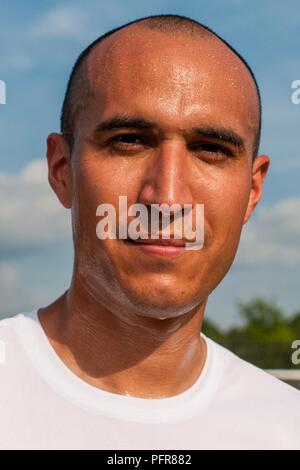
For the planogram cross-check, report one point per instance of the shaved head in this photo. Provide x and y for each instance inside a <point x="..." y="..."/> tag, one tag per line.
<point x="106" y="54"/>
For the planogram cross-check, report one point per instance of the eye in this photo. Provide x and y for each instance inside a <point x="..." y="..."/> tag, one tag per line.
<point x="211" y="151"/>
<point x="127" y="140"/>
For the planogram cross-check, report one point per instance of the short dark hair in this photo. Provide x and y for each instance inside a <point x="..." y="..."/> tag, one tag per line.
<point x="164" y="23"/>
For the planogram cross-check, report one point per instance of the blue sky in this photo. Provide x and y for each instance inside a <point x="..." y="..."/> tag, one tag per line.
<point x="39" y="44"/>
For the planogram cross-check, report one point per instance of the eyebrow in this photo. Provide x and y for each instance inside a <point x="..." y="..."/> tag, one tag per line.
<point x="121" y="122"/>
<point x="226" y="135"/>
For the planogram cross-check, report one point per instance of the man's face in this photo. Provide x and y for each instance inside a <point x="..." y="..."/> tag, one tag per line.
<point x="182" y="86"/>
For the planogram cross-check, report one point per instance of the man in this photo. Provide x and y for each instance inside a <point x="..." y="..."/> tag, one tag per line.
<point x="161" y="110"/>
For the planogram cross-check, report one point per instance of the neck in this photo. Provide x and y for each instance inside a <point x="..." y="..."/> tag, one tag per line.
<point x="125" y="354"/>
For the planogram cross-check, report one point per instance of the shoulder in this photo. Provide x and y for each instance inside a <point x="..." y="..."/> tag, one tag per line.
<point x="254" y="385"/>
<point x="9" y="325"/>
<point x="11" y="331"/>
<point x="260" y="410"/>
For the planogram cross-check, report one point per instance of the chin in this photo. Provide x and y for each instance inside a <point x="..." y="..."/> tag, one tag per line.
<point x="161" y="307"/>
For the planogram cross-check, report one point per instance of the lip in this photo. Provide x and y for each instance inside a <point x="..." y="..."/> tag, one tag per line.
<point x="170" y="247"/>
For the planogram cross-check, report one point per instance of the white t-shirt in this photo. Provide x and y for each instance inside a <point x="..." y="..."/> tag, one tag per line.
<point x="44" y="405"/>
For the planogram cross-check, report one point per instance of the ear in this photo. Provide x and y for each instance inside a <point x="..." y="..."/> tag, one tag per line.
<point x="59" y="175"/>
<point x="259" y="172"/>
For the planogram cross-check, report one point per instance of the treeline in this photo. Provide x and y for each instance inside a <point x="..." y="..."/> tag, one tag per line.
<point x="264" y="337"/>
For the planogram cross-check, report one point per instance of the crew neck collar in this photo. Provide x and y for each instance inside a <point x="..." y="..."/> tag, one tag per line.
<point x="74" y="389"/>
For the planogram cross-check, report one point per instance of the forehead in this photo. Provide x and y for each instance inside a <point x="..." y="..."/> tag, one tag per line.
<point x="175" y="79"/>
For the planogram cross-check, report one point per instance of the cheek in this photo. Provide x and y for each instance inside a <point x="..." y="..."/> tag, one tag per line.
<point x="226" y="204"/>
<point x="95" y="185"/>
<point x="104" y="179"/>
<point x="99" y="181"/>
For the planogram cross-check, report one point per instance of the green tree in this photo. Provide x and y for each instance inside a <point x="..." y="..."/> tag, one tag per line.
<point x="265" y="321"/>
<point x="264" y="338"/>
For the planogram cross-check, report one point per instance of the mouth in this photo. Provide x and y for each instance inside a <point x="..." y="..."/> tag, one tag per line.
<point x="160" y="247"/>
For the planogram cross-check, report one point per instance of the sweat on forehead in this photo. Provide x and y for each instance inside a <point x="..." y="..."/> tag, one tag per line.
<point x="136" y="54"/>
<point x="140" y="51"/>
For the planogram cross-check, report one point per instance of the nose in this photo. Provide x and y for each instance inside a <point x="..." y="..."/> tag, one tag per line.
<point x="167" y="177"/>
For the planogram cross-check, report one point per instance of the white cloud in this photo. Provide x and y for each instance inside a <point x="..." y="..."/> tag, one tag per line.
<point x="12" y="295"/>
<point x="61" y="21"/>
<point x="20" y="62"/>
<point x="78" y="21"/>
<point x="8" y="275"/>
<point x="273" y="238"/>
<point x="31" y="217"/>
